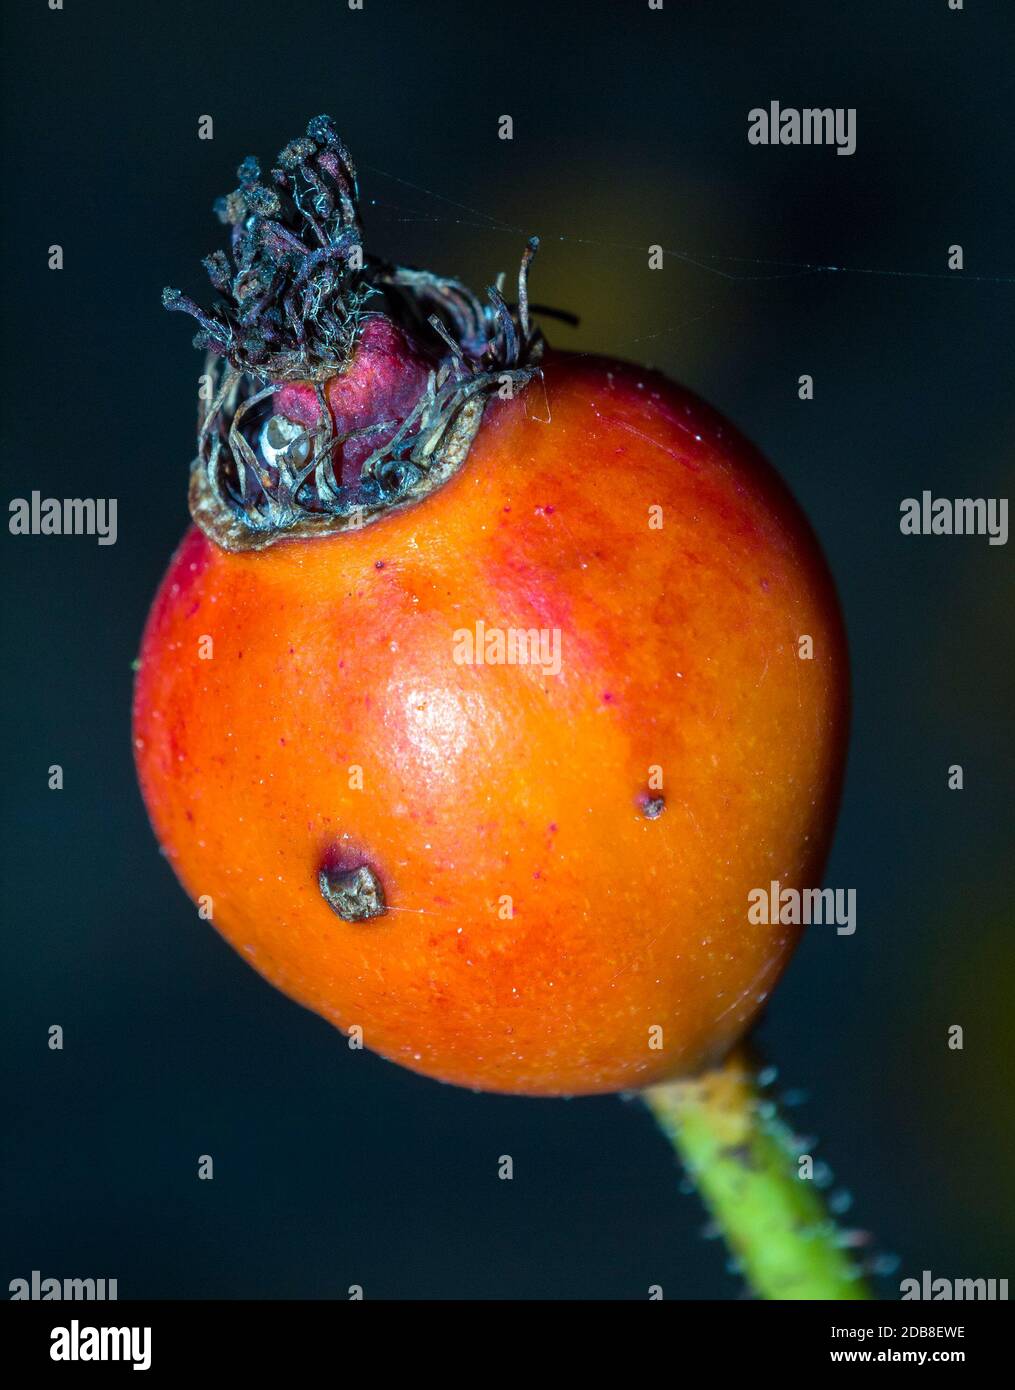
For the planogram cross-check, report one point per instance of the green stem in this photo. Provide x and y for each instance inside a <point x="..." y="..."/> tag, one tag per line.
<point x="742" y="1161"/>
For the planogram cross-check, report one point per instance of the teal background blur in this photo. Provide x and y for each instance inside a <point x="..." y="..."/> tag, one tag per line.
<point x="333" y="1167"/>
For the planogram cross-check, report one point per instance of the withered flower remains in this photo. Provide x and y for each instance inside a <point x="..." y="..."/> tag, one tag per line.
<point x="336" y="385"/>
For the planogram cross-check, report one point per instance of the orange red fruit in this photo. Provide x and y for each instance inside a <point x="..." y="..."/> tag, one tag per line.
<point x="544" y="873"/>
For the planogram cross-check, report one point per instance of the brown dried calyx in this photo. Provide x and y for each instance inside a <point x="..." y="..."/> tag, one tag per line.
<point x="340" y="386"/>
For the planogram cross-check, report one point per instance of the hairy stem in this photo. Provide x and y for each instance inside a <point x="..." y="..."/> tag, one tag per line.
<point x="741" y="1159"/>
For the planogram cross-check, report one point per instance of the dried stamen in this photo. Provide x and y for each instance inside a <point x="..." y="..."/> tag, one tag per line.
<point x="297" y="298"/>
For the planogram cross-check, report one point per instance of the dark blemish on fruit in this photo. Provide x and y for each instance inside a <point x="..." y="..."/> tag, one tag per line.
<point x="607" y="697"/>
<point x="652" y="807"/>
<point x="764" y="585"/>
<point x="355" y="895"/>
<point x="378" y="564"/>
<point x="553" y="827"/>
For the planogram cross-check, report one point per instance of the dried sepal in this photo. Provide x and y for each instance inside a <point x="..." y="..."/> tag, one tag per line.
<point x="295" y="290"/>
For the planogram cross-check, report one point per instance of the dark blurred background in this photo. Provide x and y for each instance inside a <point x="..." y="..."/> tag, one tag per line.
<point x="333" y="1167"/>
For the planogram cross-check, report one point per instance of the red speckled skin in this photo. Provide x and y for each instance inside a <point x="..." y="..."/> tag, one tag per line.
<point x="541" y="925"/>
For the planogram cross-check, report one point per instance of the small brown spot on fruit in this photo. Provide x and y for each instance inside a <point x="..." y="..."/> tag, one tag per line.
<point x="652" y="807"/>
<point x="355" y="895"/>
